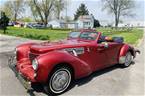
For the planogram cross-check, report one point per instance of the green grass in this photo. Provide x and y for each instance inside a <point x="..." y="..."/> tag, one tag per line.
<point x="130" y="36"/>
<point x="40" y="34"/>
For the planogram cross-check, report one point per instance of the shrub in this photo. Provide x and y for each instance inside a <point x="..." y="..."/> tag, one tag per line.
<point x="62" y="29"/>
<point x="36" y="36"/>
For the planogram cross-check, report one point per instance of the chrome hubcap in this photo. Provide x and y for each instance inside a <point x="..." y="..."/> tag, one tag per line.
<point x="128" y="59"/>
<point x="60" y="80"/>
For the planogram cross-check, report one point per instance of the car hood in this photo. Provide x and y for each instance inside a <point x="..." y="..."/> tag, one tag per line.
<point x="46" y="46"/>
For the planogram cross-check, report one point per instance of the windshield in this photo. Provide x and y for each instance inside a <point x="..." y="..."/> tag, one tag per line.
<point x="88" y="35"/>
<point x="74" y="34"/>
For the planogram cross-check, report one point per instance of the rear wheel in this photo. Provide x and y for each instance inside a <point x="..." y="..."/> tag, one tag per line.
<point x="128" y="59"/>
<point x="59" y="81"/>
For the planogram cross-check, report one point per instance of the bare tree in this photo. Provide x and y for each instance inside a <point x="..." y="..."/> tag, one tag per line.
<point x="42" y="9"/>
<point x="14" y="8"/>
<point x="119" y="8"/>
<point x="59" y="6"/>
<point x="33" y="10"/>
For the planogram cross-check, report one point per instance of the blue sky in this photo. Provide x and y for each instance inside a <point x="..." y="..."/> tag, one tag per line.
<point x="95" y="8"/>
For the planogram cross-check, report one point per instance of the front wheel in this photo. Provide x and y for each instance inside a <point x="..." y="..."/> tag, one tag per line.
<point x="128" y="59"/>
<point x="59" y="81"/>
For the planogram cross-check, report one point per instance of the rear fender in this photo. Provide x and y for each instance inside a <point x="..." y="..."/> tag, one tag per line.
<point x="124" y="49"/>
<point x="48" y="61"/>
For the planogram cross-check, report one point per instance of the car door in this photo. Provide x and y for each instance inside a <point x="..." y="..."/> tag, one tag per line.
<point x="95" y="57"/>
<point x="112" y="52"/>
<point x="98" y="57"/>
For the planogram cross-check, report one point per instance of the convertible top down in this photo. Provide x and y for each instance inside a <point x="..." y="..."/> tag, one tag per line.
<point x="56" y="64"/>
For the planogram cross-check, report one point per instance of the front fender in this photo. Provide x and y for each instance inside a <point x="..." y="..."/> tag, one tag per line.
<point x="22" y="50"/>
<point x="48" y="61"/>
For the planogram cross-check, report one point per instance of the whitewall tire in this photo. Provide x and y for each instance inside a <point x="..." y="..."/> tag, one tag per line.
<point x="59" y="81"/>
<point x="128" y="59"/>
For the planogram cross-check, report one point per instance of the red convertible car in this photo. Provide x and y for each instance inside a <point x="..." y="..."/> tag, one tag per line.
<point x="56" y="64"/>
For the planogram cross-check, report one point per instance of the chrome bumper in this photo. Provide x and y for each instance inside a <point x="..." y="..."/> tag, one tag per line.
<point x="21" y="78"/>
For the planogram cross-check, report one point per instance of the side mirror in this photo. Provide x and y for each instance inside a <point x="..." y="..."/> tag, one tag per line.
<point x="106" y="45"/>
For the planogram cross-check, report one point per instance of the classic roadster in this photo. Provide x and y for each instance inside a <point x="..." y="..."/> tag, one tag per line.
<point x="56" y="64"/>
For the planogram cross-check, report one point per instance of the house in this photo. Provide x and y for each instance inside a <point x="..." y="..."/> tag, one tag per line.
<point x="56" y="23"/>
<point x="85" y="21"/>
<point x="70" y="25"/>
<point x="63" y="24"/>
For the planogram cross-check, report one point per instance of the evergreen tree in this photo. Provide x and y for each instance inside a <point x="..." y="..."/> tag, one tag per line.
<point x="82" y="10"/>
<point x="96" y="23"/>
<point x="4" y="20"/>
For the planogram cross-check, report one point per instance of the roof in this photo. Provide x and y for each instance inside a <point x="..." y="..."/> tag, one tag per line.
<point x="86" y="17"/>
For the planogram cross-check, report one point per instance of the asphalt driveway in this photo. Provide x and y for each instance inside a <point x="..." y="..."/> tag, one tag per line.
<point x="110" y="81"/>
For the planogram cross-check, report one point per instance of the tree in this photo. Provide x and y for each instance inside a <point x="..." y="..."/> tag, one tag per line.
<point x="59" y="6"/>
<point x="14" y="8"/>
<point x="33" y="10"/>
<point x="119" y="8"/>
<point x="4" y="20"/>
<point x="82" y="10"/>
<point x="26" y="19"/>
<point x="96" y="23"/>
<point x="42" y="9"/>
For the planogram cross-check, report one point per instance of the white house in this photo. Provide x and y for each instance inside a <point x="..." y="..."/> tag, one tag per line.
<point x="55" y="23"/>
<point x="85" y="21"/>
<point x="71" y="25"/>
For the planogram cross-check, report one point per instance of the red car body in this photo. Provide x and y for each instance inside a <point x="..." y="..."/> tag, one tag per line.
<point x="89" y="57"/>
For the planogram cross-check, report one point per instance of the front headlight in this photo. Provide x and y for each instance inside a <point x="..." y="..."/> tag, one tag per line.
<point x="35" y="64"/>
<point x="15" y="51"/>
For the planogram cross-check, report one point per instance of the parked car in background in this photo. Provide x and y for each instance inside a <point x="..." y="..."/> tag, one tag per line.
<point x="56" y="64"/>
<point x="18" y="24"/>
<point x="11" y="23"/>
<point x="28" y="25"/>
<point x="35" y="25"/>
<point x="39" y="26"/>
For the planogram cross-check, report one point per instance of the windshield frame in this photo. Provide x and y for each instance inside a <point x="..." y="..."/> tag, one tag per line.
<point x="74" y="37"/>
<point x="88" y="39"/>
<point x="78" y="38"/>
